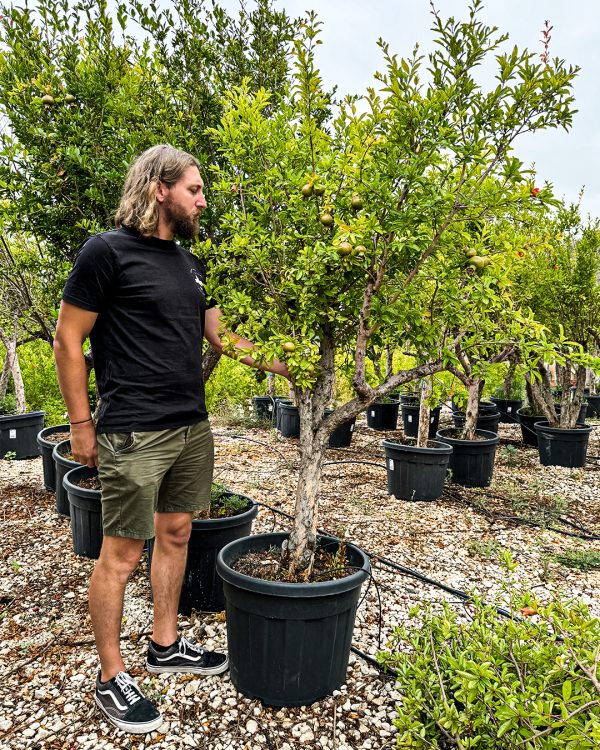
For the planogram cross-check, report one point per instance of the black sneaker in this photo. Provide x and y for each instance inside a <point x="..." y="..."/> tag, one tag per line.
<point x="124" y="705"/>
<point x="187" y="658"/>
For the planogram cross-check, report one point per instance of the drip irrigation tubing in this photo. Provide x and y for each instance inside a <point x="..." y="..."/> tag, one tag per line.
<point x="586" y="535"/>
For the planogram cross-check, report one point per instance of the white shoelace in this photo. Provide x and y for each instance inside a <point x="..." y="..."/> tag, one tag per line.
<point x="130" y="690"/>
<point x="184" y="644"/>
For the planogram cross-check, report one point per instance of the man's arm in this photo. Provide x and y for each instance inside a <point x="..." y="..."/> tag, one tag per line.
<point x="213" y="330"/>
<point x="73" y="327"/>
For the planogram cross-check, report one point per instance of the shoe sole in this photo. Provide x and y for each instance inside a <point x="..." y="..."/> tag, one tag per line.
<point x="128" y="726"/>
<point x="156" y="669"/>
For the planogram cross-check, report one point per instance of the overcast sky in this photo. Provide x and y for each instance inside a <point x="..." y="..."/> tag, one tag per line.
<point x="349" y="56"/>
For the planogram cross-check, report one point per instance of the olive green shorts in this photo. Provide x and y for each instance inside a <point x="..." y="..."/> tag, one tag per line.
<point x="141" y="473"/>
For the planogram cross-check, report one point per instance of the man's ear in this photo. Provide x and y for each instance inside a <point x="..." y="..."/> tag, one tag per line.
<point x="161" y="191"/>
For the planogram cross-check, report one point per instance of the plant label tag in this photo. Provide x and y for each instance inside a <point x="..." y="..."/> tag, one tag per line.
<point x="351" y="428"/>
<point x="509" y="408"/>
<point x="409" y="417"/>
<point x="372" y="413"/>
<point x="431" y="420"/>
<point x="12" y="434"/>
<point x="391" y="464"/>
<point x="270" y="407"/>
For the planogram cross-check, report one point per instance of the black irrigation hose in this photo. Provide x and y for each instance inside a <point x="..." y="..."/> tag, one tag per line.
<point x="586" y="535"/>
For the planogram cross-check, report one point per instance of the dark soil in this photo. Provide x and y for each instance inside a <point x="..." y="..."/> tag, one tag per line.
<point x="91" y="483"/>
<point x="217" y="512"/>
<point x="457" y="435"/>
<point x="57" y="437"/>
<point x="267" y="565"/>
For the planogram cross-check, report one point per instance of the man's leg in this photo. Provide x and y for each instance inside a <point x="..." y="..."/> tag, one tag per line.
<point x="168" y="567"/>
<point x="118" y="559"/>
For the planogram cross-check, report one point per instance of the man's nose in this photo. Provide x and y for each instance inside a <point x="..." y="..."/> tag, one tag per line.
<point x="201" y="201"/>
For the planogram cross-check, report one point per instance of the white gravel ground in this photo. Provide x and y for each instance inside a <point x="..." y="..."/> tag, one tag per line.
<point x="47" y="659"/>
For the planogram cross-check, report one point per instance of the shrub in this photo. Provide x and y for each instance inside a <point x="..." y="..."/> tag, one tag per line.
<point x="496" y="682"/>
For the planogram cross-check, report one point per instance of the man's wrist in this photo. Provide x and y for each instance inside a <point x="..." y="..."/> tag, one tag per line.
<point x="81" y="421"/>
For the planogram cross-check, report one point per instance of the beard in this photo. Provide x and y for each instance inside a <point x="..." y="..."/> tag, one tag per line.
<point x="184" y="225"/>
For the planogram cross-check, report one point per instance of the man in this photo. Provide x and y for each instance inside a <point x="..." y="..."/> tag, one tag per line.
<point x="140" y="298"/>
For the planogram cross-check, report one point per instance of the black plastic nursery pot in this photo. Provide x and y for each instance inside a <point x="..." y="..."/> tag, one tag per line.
<point x="408" y="398"/>
<point x="288" y="643"/>
<point x="288" y="418"/>
<point x="559" y="446"/>
<point x="593" y="407"/>
<point x="488" y="422"/>
<point x="86" y="512"/>
<point x="508" y="408"/>
<point x="202" y="588"/>
<point x="383" y="416"/>
<point x="61" y="466"/>
<point x="263" y="407"/>
<point x="18" y="434"/>
<point x="46" y="448"/>
<point x="341" y="437"/>
<point x="410" y="420"/>
<point x="471" y="461"/>
<point x="416" y="473"/>
<point x="527" y="422"/>
<point x="275" y="414"/>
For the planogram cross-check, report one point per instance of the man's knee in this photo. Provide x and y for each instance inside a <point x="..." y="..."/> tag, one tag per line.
<point x="173" y="529"/>
<point x="119" y="556"/>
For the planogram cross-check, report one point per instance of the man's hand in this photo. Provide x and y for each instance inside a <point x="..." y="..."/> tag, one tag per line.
<point x="83" y="444"/>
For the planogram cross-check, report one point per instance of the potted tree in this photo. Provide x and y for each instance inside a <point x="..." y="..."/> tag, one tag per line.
<point x="565" y="263"/>
<point x="334" y="221"/>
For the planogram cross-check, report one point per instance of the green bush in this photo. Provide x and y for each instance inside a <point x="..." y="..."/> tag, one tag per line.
<point x="233" y="383"/>
<point x="495" y="682"/>
<point x="41" y="386"/>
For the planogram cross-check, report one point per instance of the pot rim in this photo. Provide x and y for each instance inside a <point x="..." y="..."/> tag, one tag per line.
<point x="440" y="447"/>
<point x="580" y="428"/>
<point x="493" y="439"/>
<point x="260" y="542"/>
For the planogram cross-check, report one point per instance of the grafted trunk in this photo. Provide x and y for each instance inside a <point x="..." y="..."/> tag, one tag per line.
<point x="424" y="413"/>
<point x="472" y="410"/>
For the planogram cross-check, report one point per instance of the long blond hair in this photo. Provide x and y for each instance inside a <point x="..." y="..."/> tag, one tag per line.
<point x="138" y="208"/>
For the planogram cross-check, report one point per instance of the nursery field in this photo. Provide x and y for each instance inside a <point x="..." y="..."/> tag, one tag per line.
<point x="48" y="664"/>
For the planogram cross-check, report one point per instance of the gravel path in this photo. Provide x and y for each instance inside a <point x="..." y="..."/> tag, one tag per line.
<point x="47" y="659"/>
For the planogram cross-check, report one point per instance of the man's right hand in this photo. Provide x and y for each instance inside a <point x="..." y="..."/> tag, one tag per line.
<point x="83" y="444"/>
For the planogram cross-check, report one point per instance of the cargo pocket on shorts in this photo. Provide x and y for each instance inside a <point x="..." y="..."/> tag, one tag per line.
<point x="121" y="442"/>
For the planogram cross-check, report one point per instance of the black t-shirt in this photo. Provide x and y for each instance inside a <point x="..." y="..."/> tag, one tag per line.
<point x="147" y="339"/>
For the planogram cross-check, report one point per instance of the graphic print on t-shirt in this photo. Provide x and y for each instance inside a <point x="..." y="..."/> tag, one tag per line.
<point x="197" y="278"/>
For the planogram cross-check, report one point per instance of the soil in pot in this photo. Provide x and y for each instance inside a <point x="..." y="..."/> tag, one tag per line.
<point x="289" y="643"/>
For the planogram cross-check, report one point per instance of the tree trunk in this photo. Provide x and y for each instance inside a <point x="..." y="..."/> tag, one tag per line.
<point x="4" y="377"/>
<point x="270" y="384"/>
<point x="509" y="378"/>
<point x="10" y="343"/>
<point x="540" y="397"/>
<point x="300" y="548"/>
<point x="424" y="413"/>
<point x="472" y="410"/>
<point x="570" y="406"/>
<point x="389" y="363"/>
<point x="210" y="359"/>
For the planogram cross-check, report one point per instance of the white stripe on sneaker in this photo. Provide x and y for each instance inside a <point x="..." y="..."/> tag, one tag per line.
<point x="110" y="693"/>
